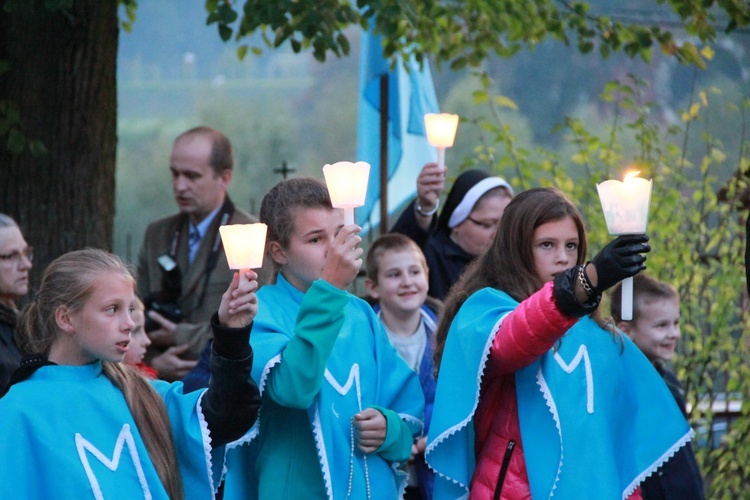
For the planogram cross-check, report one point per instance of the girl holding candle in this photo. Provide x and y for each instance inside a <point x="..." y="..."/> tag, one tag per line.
<point x="534" y="397"/>
<point x="340" y="407"/>
<point x="465" y="227"/>
<point x="77" y="422"/>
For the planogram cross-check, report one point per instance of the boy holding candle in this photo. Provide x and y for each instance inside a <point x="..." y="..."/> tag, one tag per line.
<point x="397" y="282"/>
<point x="340" y="407"/>
<point x="655" y="329"/>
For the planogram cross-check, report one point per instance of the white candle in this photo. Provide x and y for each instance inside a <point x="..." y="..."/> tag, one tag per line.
<point x="244" y="246"/>
<point x="441" y="132"/>
<point x="347" y="186"/>
<point x="625" y="206"/>
<point x="626" y="306"/>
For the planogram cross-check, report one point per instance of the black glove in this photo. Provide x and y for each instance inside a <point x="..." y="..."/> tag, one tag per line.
<point x="620" y="259"/>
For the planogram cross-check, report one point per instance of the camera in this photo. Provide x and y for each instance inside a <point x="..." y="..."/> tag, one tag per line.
<point x="169" y="310"/>
<point x="165" y="301"/>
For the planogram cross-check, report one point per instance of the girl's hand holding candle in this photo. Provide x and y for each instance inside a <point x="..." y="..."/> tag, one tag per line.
<point x="625" y="206"/>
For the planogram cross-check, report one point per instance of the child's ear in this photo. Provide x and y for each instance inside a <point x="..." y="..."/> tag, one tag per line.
<point x="372" y="289"/>
<point x="62" y="318"/>
<point x="276" y="252"/>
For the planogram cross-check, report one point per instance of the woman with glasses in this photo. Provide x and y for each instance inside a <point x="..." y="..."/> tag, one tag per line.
<point x="15" y="262"/>
<point x="466" y="225"/>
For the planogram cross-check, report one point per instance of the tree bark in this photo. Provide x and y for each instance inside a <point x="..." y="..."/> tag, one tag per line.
<point x="62" y="78"/>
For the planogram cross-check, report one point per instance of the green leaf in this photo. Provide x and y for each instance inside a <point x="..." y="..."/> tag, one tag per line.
<point x="343" y="43"/>
<point x="505" y="102"/>
<point x="212" y="5"/>
<point x="480" y="96"/>
<point x="227" y="14"/>
<point x="225" y="32"/>
<point x="458" y="63"/>
<point x="241" y="52"/>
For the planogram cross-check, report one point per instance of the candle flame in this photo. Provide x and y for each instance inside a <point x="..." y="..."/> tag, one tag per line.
<point x="631" y="175"/>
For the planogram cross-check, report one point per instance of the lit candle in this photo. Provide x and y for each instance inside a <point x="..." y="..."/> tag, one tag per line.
<point x="441" y="132"/>
<point x="244" y="246"/>
<point x="625" y="205"/>
<point x="347" y="186"/>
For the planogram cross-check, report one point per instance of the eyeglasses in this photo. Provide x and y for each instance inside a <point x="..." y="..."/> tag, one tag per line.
<point x="15" y="257"/>
<point x="485" y="225"/>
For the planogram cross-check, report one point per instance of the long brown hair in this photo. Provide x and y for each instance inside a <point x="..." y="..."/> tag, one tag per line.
<point x="69" y="282"/>
<point x="508" y="265"/>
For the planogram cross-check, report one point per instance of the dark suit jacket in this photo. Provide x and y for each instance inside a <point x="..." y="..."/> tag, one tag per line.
<point x="195" y="304"/>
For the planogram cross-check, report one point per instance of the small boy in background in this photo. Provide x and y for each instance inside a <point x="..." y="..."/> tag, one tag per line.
<point x="397" y="282"/>
<point x="655" y="329"/>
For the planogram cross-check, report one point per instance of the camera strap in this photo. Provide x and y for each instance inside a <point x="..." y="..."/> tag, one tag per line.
<point x="224" y="215"/>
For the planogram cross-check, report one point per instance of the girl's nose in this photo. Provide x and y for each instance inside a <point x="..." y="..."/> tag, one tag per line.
<point x="129" y="323"/>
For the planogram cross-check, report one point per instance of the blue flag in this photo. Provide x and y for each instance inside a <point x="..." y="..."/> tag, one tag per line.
<point x="411" y="94"/>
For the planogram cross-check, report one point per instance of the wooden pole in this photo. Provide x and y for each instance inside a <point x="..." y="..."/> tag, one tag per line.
<point x="384" y="154"/>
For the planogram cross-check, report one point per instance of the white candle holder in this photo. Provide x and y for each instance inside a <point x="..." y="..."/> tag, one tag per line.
<point x="244" y="246"/>
<point x="441" y="132"/>
<point x="347" y="186"/>
<point x="625" y="205"/>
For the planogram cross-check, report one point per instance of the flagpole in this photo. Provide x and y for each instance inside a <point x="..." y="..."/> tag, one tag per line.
<point x="384" y="154"/>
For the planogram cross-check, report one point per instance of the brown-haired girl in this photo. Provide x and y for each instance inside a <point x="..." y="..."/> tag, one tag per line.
<point x="78" y="423"/>
<point x="534" y="398"/>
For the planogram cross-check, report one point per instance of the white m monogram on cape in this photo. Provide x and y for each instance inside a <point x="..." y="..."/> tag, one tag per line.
<point x="582" y="353"/>
<point x="352" y="380"/>
<point x="125" y="436"/>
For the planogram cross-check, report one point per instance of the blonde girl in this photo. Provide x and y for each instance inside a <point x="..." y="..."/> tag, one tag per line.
<point x="78" y="423"/>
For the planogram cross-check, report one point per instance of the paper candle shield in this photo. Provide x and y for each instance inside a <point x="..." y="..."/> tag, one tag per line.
<point x="244" y="245"/>
<point x="347" y="183"/>
<point x="625" y="204"/>
<point x="441" y="129"/>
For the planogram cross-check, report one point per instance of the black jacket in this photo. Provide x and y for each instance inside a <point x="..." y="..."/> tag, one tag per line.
<point x="679" y="478"/>
<point x="10" y="355"/>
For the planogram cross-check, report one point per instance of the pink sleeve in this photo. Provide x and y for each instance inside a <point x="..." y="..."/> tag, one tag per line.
<point x="526" y="333"/>
<point x="636" y="495"/>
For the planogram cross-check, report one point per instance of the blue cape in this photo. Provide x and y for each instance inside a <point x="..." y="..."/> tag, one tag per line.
<point x="67" y="433"/>
<point x="595" y="415"/>
<point x="363" y="370"/>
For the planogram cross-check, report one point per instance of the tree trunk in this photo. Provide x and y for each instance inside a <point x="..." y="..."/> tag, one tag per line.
<point x="62" y="78"/>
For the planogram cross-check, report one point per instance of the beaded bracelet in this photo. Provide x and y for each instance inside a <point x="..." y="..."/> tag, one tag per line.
<point x="584" y="280"/>
<point x="421" y="212"/>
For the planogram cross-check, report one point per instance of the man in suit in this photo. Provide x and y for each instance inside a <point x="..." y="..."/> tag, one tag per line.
<point x="182" y="269"/>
